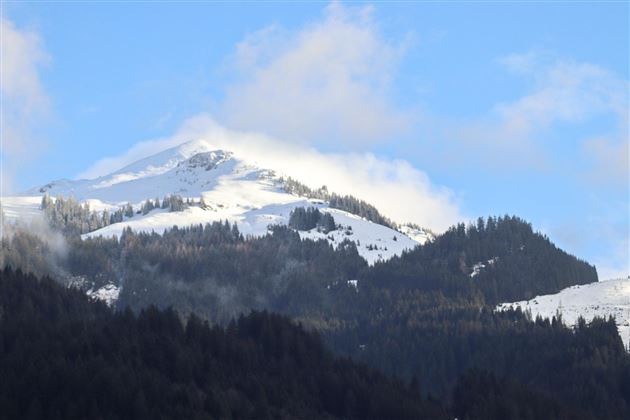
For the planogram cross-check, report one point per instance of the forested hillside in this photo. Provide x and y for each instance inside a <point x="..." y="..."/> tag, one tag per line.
<point x="409" y="335"/>
<point x="427" y="316"/>
<point x="214" y="266"/>
<point x="501" y="259"/>
<point x="65" y="357"/>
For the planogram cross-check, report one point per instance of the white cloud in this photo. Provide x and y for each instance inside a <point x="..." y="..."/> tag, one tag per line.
<point x="565" y="91"/>
<point x="395" y="187"/>
<point x="324" y="84"/>
<point x="24" y="101"/>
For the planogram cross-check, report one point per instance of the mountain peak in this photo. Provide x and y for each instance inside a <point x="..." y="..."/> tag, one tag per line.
<point x="176" y="170"/>
<point x="206" y="160"/>
<point x="166" y="159"/>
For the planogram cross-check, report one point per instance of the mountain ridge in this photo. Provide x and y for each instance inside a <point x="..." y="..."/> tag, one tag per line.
<point x="224" y="186"/>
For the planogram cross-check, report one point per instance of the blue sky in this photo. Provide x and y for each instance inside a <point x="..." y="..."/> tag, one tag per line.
<point x="516" y="108"/>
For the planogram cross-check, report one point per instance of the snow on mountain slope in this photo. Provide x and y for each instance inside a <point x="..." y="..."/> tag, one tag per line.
<point x="232" y="188"/>
<point x="175" y="171"/>
<point x="417" y="234"/>
<point x="604" y="298"/>
<point x="374" y="242"/>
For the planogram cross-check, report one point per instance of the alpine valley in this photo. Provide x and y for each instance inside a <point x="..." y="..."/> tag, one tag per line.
<point x="195" y="283"/>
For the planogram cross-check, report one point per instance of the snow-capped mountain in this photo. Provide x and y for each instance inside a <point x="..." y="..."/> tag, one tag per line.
<point x="604" y="298"/>
<point x="232" y="188"/>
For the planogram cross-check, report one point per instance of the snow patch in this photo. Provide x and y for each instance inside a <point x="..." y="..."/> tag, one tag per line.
<point x="481" y="265"/>
<point x="417" y="234"/>
<point x="374" y="242"/>
<point x="604" y="298"/>
<point x="108" y="294"/>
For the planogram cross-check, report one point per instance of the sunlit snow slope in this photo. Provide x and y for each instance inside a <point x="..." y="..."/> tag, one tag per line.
<point x="604" y="298"/>
<point x="232" y="188"/>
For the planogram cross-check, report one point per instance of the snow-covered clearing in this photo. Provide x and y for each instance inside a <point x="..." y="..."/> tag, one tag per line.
<point x="604" y="298"/>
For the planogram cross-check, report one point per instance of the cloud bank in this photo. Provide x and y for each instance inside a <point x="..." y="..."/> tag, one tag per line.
<point x="399" y="190"/>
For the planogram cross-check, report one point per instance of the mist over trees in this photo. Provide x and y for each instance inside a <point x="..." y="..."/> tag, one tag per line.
<point x="73" y="218"/>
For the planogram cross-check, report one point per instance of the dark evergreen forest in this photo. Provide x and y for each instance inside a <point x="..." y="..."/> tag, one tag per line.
<point x="311" y="218"/>
<point x="426" y="317"/>
<point x="64" y="357"/>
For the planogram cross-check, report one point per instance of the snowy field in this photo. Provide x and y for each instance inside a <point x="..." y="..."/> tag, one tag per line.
<point x="374" y="242"/>
<point x="604" y="298"/>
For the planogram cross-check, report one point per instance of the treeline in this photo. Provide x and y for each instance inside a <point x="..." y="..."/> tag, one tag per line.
<point x="63" y="357"/>
<point x="342" y="202"/>
<point x="311" y="218"/>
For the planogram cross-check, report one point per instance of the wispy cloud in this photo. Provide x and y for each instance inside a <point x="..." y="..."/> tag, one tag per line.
<point x="564" y="91"/>
<point x="522" y="133"/>
<point x="567" y="96"/>
<point x="324" y="84"/>
<point x="24" y="101"/>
